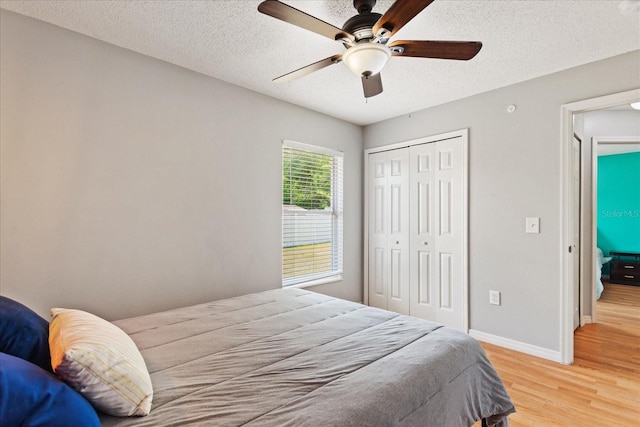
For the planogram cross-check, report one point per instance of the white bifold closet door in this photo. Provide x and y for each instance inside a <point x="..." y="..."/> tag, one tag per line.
<point x="416" y="253"/>
<point x="389" y="230"/>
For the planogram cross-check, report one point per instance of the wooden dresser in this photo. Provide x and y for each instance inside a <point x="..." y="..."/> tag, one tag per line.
<point x="625" y="268"/>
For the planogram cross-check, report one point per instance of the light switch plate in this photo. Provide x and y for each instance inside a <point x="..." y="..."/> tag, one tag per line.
<point x="533" y="225"/>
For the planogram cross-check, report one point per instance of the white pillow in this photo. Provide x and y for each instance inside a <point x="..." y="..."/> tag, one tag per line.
<point x="100" y="361"/>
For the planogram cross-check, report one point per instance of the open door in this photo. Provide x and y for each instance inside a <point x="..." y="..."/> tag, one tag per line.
<point x="575" y="247"/>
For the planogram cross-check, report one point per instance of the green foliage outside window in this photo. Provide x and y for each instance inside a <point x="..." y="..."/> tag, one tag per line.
<point x="306" y="178"/>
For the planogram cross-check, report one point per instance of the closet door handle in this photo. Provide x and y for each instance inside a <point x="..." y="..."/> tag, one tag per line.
<point x="425" y="243"/>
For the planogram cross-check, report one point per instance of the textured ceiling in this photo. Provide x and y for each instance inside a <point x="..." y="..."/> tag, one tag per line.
<point x="230" y="40"/>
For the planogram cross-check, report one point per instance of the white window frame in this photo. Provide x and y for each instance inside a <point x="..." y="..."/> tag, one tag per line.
<point x="336" y="213"/>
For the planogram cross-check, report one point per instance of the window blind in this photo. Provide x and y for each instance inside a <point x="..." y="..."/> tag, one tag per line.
<point x="312" y="179"/>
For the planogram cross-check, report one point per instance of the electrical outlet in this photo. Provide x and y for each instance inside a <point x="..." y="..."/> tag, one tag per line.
<point x="494" y="297"/>
<point x="532" y="225"/>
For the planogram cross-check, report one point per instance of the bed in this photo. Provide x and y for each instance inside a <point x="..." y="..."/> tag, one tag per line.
<point x="291" y="357"/>
<point x="601" y="260"/>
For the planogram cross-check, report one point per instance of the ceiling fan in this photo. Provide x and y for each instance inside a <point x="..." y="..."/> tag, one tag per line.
<point x="365" y="36"/>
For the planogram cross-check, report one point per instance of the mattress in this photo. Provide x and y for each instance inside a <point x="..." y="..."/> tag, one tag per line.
<point x="291" y="357"/>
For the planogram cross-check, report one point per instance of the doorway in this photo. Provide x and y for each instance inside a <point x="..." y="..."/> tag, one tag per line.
<point x="605" y="146"/>
<point x="571" y="280"/>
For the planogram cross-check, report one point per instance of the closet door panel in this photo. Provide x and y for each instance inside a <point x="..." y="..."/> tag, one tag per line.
<point x="446" y="284"/>
<point x="422" y="206"/>
<point x="396" y="275"/>
<point x="398" y="184"/>
<point x="451" y="175"/>
<point x="378" y="250"/>
<point x="377" y="276"/>
<point x="424" y="214"/>
<point x="424" y="280"/>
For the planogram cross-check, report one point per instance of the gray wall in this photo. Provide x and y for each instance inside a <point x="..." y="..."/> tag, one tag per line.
<point x="594" y="124"/>
<point x="515" y="172"/>
<point x="129" y="185"/>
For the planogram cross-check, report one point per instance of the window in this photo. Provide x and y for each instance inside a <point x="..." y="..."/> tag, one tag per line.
<point x="311" y="214"/>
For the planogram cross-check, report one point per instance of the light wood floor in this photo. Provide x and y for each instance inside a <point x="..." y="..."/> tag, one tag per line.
<point x="601" y="388"/>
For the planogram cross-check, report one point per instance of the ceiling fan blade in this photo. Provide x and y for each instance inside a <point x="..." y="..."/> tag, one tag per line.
<point x="297" y="17"/>
<point x="301" y="72"/>
<point x="400" y="12"/>
<point x="437" y="49"/>
<point x="372" y="85"/>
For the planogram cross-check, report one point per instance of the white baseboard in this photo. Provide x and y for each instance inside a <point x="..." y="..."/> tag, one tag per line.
<point x="586" y="320"/>
<point x="522" y="347"/>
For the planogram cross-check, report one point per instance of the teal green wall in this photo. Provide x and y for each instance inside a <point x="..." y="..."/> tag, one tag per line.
<point x="619" y="203"/>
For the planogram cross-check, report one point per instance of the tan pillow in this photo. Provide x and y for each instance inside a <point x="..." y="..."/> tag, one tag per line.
<point x="100" y="361"/>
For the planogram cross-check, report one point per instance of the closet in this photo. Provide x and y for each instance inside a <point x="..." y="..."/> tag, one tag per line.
<point x="416" y="252"/>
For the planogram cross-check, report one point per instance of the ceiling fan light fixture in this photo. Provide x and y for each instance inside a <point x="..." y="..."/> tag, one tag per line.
<point x="366" y="59"/>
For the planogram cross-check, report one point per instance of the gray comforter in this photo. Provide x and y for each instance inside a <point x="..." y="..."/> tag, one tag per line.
<point x="290" y="357"/>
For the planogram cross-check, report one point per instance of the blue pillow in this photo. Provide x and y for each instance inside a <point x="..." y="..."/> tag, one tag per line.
<point x="24" y="334"/>
<point x="32" y="397"/>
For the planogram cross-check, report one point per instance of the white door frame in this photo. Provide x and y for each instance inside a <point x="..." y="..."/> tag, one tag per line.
<point x="596" y="140"/>
<point x="566" y="186"/>
<point x="464" y="134"/>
